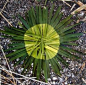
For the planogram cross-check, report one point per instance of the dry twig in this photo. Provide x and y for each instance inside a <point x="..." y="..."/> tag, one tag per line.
<point x="83" y="66"/>
<point x="4" y="6"/>
<point x="7" y="79"/>
<point x="84" y="80"/>
<point x="3" y="15"/>
<point x="31" y="78"/>
<point x="5" y="19"/>
<point x="79" y="9"/>
<point x="64" y="1"/>
<point x="7" y="63"/>
<point x="72" y="7"/>
<point x="80" y="3"/>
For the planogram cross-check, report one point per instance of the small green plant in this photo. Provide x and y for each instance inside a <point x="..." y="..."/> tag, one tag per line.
<point x="42" y="40"/>
<point x="45" y="1"/>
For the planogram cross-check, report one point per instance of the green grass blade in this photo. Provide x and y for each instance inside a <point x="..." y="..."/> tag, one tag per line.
<point x="40" y="15"/>
<point x="62" y="40"/>
<point x="35" y="64"/>
<point x="50" y="14"/>
<point x="69" y="32"/>
<point x="32" y="18"/>
<point x="28" y="68"/>
<point x="55" y="60"/>
<point x="71" y="43"/>
<point x="68" y="28"/>
<point x="15" y="48"/>
<point x="24" y="22"/>
<point x="28" y="63"/>
<point x="26" y="60"/>
<point x="18" y="62"/>
<point x="70" y="50"/>
<point x="63" y="22"/>
<point x="55" y="67"/>
<point x="21" y="25"/>
<point x="29" y="19"/>
<point x="45" y="70"/>
<point x="39" y="69"/>
<point x="18" y="37"/>
<point x="10" y="30"/>
<point x="21" y="54"/>
<point x="8" y="33"/>
<point x="57" y="20"/>
<point x="37" y="14"/>
<point x="33" y="13"/>
<point x="63" y="26"/>
<point x="67" y="54"/>
<point x="72" y="35"/>
<point x="16" y="52"/>
<point x="16" y="44"/>
<point x="4" y="36"/>
<point x="56" y="14"/>
<point x="62" y="60"/>
<point x="48" y="68"/>
<point x="64" y="53"/>
<point x="18" y="29"/>
<point x="45" y="15"/>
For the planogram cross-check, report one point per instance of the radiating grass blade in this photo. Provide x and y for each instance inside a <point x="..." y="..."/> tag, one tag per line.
<point x="55" y="67"/>
<point x="71" y="50"/>
<point x="56" y="14"/>
<point x="21" y="54"/>
<point x="39" y="69"/>
<point x="51" y="12"/>
<point x="63" y="21"/>
<point x="16" y="44"/>
<point x="8" y="33"/>
<point x="16" y="52"/>
<point x="28" y="64"/>
<point x="71" y="43"/>
<point x="24" y="22"/>
<point x="62" y="40"/>
<point x="18" y="62"/>
<point x="15" y="48"/>
<point x="40" y="16"/>
<point x="21" y="25"/>
<point x="35" y="64"/>
<point x="68" y="28"/>
<point x="37" y="14"/>
<point x="45" y="70"/>
<point x="57" y="21"/>
<point x="67" y="54"/>
<point x="62" y="60"/>
<point x="64" y="25"/>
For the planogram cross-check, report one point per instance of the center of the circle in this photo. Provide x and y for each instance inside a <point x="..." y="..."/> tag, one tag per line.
<point x="42" y="41"/>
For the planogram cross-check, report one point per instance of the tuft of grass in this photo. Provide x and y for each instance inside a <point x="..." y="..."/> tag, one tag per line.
<point x="43" y="39"/>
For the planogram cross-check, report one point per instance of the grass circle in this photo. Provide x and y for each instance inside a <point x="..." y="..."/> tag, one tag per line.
<point x="42" y="41"/>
